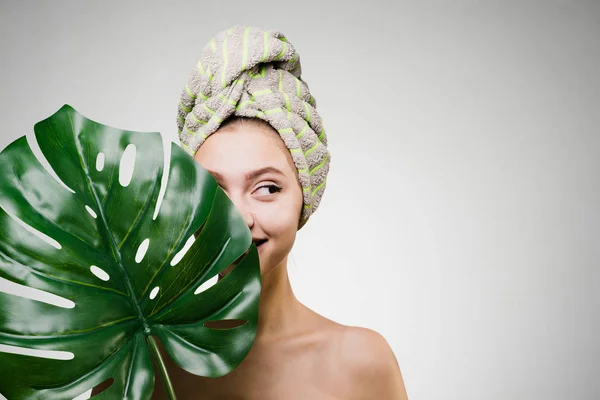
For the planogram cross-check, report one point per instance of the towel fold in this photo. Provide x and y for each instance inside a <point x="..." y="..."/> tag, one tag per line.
<point x="251" y="72"/>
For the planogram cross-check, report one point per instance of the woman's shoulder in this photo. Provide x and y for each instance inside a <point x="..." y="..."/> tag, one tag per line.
<point x="367" y="359"/>
<point x="357" y="345"/>
<point x="364" y="349"/>
<point x="371" y="364"/>
<point x="355" y="358"/>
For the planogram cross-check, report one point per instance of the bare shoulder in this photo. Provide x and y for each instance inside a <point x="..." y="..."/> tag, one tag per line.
<point x="363" y="363"/>
<point x="371" y="364"/>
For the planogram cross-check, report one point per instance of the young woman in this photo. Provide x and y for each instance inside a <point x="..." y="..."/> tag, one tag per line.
<point x="297" y="354"/>
<point x="254" y="126"/>
<point x="250" y="120"/>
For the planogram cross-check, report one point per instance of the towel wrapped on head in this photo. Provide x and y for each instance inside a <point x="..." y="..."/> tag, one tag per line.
<point x="255" y="73"/>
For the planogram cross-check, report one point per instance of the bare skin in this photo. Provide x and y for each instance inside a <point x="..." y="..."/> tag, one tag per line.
<point x="297" y="354"/>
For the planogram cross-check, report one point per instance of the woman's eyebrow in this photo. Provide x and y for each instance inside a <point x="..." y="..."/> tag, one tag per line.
<point x="261" y="171"/>
<point x="250" y="175"/>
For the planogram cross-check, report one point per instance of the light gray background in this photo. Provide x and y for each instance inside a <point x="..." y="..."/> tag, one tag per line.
<point x="462" y="214"/>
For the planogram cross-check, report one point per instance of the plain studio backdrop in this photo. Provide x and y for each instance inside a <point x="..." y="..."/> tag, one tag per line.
<point x="461" y="218"/>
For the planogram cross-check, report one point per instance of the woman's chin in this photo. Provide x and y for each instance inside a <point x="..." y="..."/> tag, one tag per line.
<point x="270" y="257"/>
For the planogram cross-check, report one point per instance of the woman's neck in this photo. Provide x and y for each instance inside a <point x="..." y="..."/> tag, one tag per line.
<point x="278" y="308"/>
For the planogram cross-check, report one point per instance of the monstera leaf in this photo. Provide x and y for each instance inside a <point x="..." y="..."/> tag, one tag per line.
<point x="123" y="270"/>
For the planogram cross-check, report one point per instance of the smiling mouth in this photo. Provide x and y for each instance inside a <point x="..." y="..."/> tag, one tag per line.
<point x="259" y="242"/>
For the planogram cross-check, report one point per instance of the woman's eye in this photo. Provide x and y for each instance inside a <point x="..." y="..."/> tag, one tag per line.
<point x="269" y="189"/>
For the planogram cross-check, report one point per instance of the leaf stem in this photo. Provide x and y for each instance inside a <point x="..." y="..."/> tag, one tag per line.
<point x="162" y="368"/>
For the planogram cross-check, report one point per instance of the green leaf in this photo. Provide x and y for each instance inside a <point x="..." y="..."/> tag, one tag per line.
<point x="96" y="226"/>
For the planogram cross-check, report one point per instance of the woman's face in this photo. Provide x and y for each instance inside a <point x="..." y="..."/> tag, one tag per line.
<point x="252" y="165"/>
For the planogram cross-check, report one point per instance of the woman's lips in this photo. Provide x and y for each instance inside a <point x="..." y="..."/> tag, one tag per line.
<point x="260" y="245"/>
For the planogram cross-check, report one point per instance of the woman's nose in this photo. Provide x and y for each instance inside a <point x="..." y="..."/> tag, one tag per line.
<point x="248" y="217"/>
<point x="239" y="204"/>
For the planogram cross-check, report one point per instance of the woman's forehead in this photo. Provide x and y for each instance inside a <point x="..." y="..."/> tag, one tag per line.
<point x="238" y="151"/>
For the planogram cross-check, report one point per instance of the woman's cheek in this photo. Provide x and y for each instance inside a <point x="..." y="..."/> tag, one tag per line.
<point x="286" y="215"/>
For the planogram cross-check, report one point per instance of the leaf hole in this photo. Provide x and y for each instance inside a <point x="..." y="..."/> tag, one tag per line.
<point x="207" y="285"/>
<point x="104" y="385"/>
<point x="166" y="171"/>
<point x="100" y="162"/>
<point x="184" y="250"/>
<point x="127" y="164"/>
<point x="34" y="231"/>
<point x="225" y="324"/>
<point x="92" y="212"/>
<point x="154" y="292"/>
<point x="27" y="292"/>
<point x="141" y="251"/>
<point x="51" y="354"/>
<point x="100" y="273"/>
